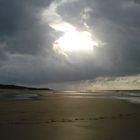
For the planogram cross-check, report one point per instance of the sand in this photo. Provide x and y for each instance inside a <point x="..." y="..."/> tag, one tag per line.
<point x="59" y="117"/>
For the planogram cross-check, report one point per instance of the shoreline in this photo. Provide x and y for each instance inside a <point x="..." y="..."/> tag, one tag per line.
<point x="59" y="117"/>
<point x="21" y="95"/>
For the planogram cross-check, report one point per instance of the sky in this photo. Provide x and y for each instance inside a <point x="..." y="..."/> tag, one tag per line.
<point x="32" y="30"/>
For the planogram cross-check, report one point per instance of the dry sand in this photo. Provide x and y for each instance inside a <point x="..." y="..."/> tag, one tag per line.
<point x="57" y="117"/>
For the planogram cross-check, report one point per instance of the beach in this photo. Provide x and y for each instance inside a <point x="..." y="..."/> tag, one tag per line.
<point x="57" y="116"/>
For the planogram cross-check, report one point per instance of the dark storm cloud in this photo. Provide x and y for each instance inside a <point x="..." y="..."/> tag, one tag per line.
<point x="20" y="28"/>
<point x="24" y="41"/>
<point x="26" y="55"/>
<point x="137" y="1"/>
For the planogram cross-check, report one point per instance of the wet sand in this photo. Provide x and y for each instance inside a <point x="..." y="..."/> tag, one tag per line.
<point x="59" y="117"/>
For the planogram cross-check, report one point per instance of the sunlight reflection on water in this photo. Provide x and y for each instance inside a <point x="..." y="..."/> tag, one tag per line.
<point x="132" y="97"/>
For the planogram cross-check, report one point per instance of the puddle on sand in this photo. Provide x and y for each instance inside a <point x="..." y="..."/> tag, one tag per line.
<point x="26" y="96"/>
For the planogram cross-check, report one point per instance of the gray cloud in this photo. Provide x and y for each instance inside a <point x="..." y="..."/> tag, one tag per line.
<point x="26" y="54"/>
<point x="20" y="27"/>
<point x="117" y="23"/>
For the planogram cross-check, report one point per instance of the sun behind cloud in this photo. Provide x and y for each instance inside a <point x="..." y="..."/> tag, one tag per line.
<point x="75" y="41"/>
<point x="72" y="41"/>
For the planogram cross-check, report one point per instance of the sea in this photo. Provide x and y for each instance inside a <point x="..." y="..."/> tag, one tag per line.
<point x="132" y="96"/>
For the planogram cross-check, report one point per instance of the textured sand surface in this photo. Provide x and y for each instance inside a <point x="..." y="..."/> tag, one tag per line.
<point x="57" y="117"/>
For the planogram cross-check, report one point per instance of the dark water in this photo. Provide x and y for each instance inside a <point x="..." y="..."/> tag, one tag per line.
<point x="131" y="96"/>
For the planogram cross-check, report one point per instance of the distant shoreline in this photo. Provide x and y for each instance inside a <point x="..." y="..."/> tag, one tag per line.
<point x="2" y="86"/>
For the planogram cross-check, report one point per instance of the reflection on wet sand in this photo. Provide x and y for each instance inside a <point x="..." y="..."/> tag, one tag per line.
<point x="60" y="116"/>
